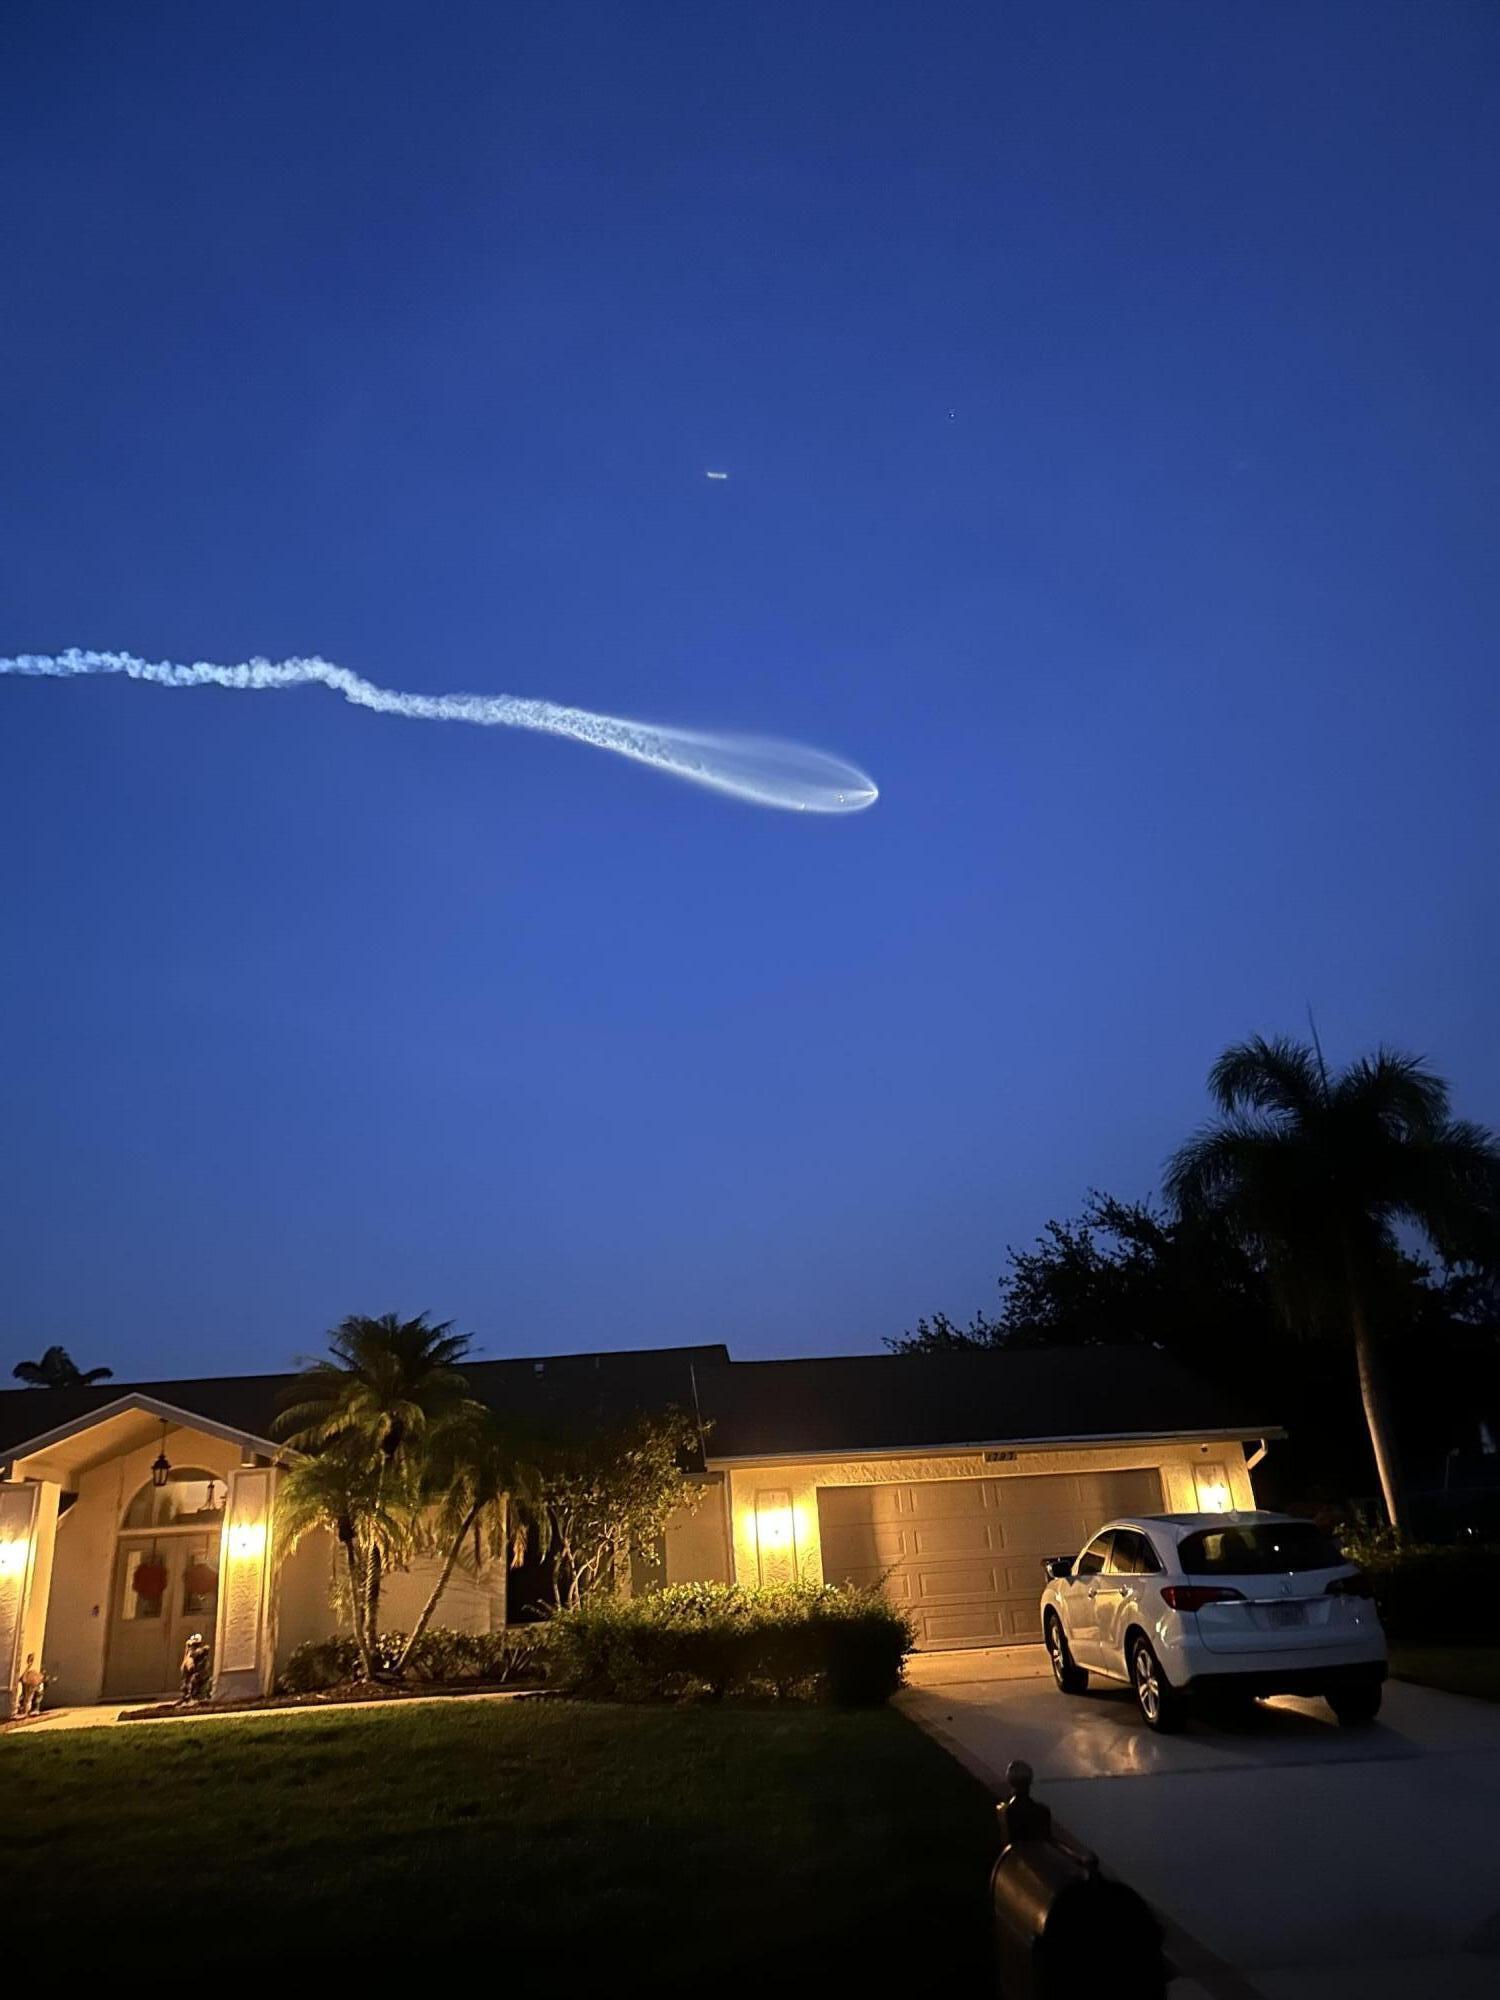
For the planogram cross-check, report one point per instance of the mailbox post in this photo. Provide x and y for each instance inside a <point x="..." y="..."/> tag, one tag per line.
<point x="1064" y="1931"/>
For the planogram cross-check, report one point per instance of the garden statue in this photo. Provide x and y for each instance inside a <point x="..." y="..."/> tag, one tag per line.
<point x="195" y="1658"/>
<point x="29" y="1689"/>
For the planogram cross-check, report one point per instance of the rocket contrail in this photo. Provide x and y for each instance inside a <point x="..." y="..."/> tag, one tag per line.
<point x="761" y="769"/>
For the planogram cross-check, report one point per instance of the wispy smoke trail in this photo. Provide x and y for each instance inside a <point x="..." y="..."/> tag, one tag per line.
<point x="761" y="769"/>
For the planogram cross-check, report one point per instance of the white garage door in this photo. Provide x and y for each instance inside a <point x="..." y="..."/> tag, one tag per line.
<point x="964" y="1556"/>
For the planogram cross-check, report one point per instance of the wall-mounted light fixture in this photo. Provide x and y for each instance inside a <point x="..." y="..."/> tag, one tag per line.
<point x="247" y="1539"/>
<point x="776" y="1535"/>
<point x="1214" y="1496"/>
<point x="13" y="1554"/>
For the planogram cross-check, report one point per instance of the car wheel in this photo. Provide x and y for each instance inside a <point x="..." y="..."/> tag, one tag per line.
<point x="1357" y="1704"/>
<point x="1156" y="1698"/>
<point x="1070" y="1677"/>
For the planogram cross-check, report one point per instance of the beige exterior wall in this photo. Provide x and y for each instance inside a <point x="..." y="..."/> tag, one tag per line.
<point x="773" y="1504"/>
<point x="28" y="1517"/>
<point x="304" y="1595"/>
<point x="84" y="1556"/>
<point x="471" y="1601"/>
<point x="698" y="1542"/>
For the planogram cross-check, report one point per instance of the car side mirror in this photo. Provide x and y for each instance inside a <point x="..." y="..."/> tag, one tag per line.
<point x="1058" y="1567"/>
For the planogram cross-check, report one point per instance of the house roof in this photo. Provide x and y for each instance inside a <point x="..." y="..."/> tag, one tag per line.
<point x="905" y="1402"/>
<point x="861" y="1403"/>
<point x="561" y="1394"/>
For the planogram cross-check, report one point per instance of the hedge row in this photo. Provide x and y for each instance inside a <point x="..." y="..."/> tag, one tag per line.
<point x="823" y="1643"/>
<point x="441" y="1654"/>
<point x="1446" y="1592"/>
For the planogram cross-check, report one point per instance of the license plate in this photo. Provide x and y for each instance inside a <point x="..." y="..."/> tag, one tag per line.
<point x="1288" y="1614"/>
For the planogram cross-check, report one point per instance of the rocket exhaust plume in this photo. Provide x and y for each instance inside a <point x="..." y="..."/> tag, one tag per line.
<point x="760" y="769"/>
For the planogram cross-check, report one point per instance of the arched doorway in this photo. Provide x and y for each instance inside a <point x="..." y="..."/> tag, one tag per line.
<point x="165" y="1583"/>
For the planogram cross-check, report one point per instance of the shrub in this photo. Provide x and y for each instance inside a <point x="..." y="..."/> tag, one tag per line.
<point x="810" y="1642"/>
<point x="441" y="1655"/>
<point x="317" y="1664"/>
<point x="1431" y="1591"/>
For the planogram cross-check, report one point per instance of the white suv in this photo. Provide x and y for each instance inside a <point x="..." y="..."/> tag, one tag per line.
<point x="1221" y="1607"/>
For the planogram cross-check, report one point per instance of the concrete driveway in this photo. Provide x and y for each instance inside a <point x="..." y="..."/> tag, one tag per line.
<point x="1305" y="1860"/>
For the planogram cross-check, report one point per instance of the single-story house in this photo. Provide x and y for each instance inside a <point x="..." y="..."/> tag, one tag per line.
<point x="131" y="1516"/>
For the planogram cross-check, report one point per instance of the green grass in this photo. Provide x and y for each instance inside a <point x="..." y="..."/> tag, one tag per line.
<point x="682" y="1849"/>
<point x="1456" y="1669"/>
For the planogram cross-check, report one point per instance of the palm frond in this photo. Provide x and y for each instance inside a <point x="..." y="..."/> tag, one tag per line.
<point x="1272" y="1074"/>
<point x="1396" y="1091"/>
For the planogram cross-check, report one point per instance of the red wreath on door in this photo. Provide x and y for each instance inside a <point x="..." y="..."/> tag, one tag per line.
<point x="150" y="1579"/>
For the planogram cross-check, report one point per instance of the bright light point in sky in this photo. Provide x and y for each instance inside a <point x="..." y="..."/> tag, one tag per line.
<point x="762" y="770"/>
<point x="716" y="475"/>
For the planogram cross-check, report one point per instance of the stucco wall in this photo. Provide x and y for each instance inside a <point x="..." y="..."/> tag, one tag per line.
<point x="303" y="1595"/>
<point x="84" y="1555"/>
<point x="698" y="1542"/>
<point x="470" y="1602"/>
<point x="800" y="1479"/>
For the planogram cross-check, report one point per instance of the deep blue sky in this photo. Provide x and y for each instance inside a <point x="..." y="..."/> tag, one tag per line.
<point x="406" y="334"/>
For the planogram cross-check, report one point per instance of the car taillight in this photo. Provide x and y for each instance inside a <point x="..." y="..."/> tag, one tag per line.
<point x="1193" y="1596"/>
<point x="1358" y="1585"/>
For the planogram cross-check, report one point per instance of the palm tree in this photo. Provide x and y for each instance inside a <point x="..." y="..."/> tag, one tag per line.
<point x="1315" y="1174"/>
<point x="341" y="1491"/>
<point x="387" y="1383"/>
<point x="474" y="1489"/>
<point x="58" y="1370"/>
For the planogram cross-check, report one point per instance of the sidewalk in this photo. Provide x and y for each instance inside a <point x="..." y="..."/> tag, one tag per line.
<point x="105" y="1715"/>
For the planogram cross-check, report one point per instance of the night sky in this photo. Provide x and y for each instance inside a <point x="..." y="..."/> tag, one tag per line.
<point x="1108" y="395"/>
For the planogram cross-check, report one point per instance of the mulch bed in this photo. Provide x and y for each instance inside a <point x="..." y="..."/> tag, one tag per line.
<point x="346" y="1691"/>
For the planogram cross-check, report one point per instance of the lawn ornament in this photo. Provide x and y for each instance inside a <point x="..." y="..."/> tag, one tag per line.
<point x="195" y="1658"/>
<point x="29" y="1689"/>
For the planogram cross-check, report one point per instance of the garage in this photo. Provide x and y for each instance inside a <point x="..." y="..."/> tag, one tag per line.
<point x="964" y="1556"/>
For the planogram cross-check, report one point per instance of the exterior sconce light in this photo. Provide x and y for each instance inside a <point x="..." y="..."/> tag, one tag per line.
<point x="773" y="1521"/>
<point x="247" y="1540"/>
<point x="1213" y="1490"/>
<point x="776" y="1536"/>
<point x="13" y="1557"/>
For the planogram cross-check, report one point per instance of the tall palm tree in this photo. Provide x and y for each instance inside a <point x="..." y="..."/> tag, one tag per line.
<point x="385" y="1385"/>
<point x="474" y="1494"/>
<point x="342" y="1492"/>
<point x="58" y="1370"/>
<point x="1315" y="1174"/>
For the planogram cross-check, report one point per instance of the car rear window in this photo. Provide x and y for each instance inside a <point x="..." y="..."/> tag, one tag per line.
<point x="1257" y="1548"/>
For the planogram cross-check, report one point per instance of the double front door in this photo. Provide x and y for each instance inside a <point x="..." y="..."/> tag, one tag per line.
<point x="166" y="1587"/>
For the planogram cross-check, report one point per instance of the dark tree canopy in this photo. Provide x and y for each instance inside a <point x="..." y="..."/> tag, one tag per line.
<point x="1119" y="1274"/>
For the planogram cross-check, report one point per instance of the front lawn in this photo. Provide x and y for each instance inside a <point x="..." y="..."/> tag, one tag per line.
<point x="678" y="1850"/>
<point x="1456" y="1669"/>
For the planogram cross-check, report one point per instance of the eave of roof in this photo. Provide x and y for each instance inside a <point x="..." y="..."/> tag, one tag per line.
<point x="151" y="1406"/>
<point x="1088" y="1441"/>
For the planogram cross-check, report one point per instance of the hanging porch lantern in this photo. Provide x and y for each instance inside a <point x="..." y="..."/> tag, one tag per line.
<point x="161" y="1465"/>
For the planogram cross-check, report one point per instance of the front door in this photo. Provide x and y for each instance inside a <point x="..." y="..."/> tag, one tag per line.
<point x="148" y="1627"/>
